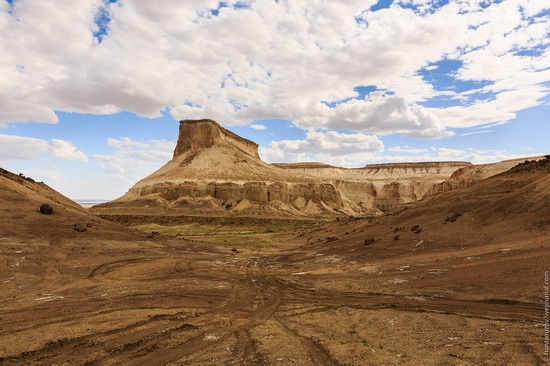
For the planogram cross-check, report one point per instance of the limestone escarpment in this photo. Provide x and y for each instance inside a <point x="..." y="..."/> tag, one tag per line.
<point x="196" y="135"/>
<point x="214" y="172"/>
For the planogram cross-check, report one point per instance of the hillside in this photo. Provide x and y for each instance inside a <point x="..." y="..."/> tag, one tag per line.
<point x="466" y="176"/>
<point x="217" y="173"/>
<point x="21" y="198"/>
<point x="491" y="240"/>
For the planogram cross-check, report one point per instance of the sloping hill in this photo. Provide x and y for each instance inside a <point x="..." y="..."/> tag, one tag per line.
<point x="488" y="241"/>
<point x="20" y="200"/>
<point x="468" y="175"/>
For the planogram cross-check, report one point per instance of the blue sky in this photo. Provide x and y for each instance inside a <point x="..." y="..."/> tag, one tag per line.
<point x="91" y="95"/>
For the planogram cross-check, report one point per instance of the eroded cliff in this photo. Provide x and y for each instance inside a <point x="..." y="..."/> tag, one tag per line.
<point x="215" y="172"/>
<point x="197" y="135"/>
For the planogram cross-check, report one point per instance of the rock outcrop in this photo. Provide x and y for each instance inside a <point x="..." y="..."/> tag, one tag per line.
<point x="198" y="135"/>
<point x="215" y="172"/>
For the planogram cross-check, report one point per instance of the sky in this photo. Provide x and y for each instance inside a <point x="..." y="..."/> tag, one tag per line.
<point x="92" y="91"/>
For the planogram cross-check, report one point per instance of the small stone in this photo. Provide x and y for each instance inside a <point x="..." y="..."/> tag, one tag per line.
<point x="45" y="209"/>
<point x="80" y="228"/>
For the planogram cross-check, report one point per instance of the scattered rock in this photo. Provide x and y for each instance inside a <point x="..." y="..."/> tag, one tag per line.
<point x="415" y="227"/>
<point x="153" y="234"/>
<point x="45" y="209"/>
<point x="396" y="229"/>
<point x="369" y="241"/>
<point x="453" y="217"/>
<point x="80" y="228"/>
<point x="331" y="238"/>
<point x="418" y="230"/>
<point x="396" y="237"/>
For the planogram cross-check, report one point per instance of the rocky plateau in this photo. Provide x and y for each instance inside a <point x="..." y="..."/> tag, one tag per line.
<point x="215" y="172"/>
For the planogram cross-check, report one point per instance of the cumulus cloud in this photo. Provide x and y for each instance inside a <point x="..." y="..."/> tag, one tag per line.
<point x="133" y="160"/>
<point x="386" y="114"/>
<point x="324" y="146"/>
<point x="28" y="148"/>
<point x="65" y="150"/>
<point x="297" y="60"/>
<point x="258" y="127"/>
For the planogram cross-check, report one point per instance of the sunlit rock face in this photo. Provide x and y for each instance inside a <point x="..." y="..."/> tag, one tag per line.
<point x="197" y="135"/>
<point x="215" y="172"/>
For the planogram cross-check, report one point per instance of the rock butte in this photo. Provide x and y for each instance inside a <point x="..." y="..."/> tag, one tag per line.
<point x="215" y="172"/>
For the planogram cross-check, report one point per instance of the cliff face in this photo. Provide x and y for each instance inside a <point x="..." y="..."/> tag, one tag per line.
<point x="197" y="135"/>
<point x="214" y="172"/>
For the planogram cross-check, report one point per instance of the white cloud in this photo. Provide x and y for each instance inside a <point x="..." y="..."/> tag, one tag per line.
<point x="476" y="132"/>
<point x="386" y="114"/>
<point x="324" y="146"/>
<point x="133" y="160"/>
<point x="475" y="156"/>
<point x="407" y="149"/>
<point x="258" y="127"/>
<point x="503" y="107"/>
<point x="450" y="153"/>
<point x="28" y="148"/>
<point x="61" y="149"/>
<point x="273" y="60"/>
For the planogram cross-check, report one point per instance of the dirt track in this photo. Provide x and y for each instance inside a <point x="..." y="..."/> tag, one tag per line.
<point x="180" y="306"/>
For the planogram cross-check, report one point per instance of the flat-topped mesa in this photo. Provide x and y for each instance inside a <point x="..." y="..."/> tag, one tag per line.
<point x="196" y="135"/>
<point x="217" y="173"/>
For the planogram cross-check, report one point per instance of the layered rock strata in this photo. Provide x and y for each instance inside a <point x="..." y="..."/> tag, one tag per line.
<point x="215" y="172"/>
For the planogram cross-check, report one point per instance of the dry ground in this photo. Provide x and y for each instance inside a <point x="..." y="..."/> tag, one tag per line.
<point x="268" y="292"/>
<point x="180" y="302"/>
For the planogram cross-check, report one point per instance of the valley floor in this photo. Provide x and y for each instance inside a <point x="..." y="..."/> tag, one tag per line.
<point x="268" y="294"/>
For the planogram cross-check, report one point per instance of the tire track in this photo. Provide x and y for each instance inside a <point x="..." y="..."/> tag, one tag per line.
<point x="256" y="296"/>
